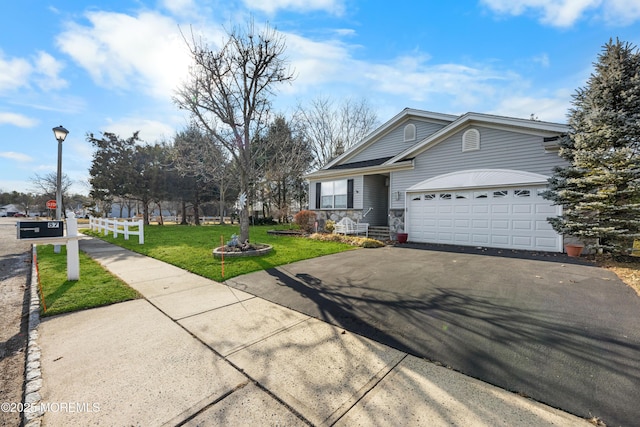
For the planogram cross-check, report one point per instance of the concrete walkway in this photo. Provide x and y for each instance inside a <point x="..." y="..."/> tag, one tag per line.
<point x="195" y="352"/>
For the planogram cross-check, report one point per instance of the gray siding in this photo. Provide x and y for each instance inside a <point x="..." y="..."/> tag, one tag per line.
<point x="393" y="143"/>
<point x="376" y="197"/>
<point x="499" y="149"/>
<point x="357" y="192"/>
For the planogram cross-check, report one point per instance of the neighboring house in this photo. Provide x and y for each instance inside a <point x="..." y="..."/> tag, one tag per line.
<point x="8" y="210"/>
<point x="474" y="179"/>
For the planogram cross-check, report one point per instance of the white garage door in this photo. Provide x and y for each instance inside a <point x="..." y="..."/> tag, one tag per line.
<point x="500" y="217"/>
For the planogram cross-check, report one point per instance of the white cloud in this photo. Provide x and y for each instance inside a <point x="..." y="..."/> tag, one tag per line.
<point x="48" y="69"/>
<point x="565" y="13"/>
<point x="14" y="72"/>
<point x="144" y="53"/>
<point x="17" y="120"/>
<point x="335" y="7"/>
<point x="150" y="130"/>
<point x="551" y="109"/>
<point x="542" y="59"/>
<point x="12" y="155"/>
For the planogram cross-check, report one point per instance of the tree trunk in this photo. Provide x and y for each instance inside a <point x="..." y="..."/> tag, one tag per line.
<point x="196" y="210"/>
<point x="184" y="213"/>
<point x="161" y="221"/>
<point x="145" y="211"/>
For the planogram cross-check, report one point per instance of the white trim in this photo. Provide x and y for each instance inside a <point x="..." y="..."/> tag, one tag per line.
<point x="371" y="170"/>
<point x="479" y="178"/>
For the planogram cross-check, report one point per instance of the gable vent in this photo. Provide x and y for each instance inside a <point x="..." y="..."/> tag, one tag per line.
<point x="409" y="132"/>
<point x="471" y="140"/>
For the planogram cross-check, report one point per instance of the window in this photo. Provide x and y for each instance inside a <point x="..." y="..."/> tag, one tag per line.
<point x="480" y="195"/>
<point x="409" y="132"/>
<point x="522" y="193"/>
<point x="334" y="195"/>
<point x="416" y="198"/>
<point x="462" y="195"/>
<point x="429" y="196"/>
<point x="471" y="140"/>
<point x="500" y="194"/>
<point x="445" y="196"/>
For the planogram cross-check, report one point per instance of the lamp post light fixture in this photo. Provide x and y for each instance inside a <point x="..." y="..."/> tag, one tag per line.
<point x="60" y="133"/>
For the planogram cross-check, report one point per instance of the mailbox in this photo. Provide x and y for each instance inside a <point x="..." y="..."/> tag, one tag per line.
<point x="36" y="229"/>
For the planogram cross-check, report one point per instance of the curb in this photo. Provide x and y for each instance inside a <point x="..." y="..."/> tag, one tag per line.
<point x="32" y="414"/>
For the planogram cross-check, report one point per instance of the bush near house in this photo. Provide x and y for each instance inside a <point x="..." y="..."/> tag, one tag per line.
<point x="306" y="220"/>
<point x="363" y="242"/>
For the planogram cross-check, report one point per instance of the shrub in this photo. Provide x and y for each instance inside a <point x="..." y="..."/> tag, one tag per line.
<point x="363" y="242"/>
<point x="306" y="220"/>
<point x="329" y="226"/>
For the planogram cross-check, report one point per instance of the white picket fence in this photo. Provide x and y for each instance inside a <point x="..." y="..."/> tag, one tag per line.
<point x="118" y="226"/>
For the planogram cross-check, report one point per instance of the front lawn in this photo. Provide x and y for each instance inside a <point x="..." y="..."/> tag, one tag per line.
<point x="96" y="287"/>
<point x="191" y="247"/>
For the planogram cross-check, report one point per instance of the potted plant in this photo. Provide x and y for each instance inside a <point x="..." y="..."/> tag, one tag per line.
<point x="574" y="249"/>
<point x="402" y="237"/>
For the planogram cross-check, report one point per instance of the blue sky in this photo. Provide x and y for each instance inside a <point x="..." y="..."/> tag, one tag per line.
<point x="114" y="67"/>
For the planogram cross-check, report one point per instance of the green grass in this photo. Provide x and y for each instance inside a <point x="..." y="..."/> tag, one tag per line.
<point x="96" y="287"/>
<point x="190" y="247"/>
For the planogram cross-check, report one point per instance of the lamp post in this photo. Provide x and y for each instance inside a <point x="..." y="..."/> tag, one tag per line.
<point x="60" y="133"/>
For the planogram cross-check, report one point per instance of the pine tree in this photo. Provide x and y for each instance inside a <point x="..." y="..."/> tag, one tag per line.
<point x="600" y="188"/>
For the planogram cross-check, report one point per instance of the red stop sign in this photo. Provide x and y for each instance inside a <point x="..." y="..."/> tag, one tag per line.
<point x="51" y="204"/>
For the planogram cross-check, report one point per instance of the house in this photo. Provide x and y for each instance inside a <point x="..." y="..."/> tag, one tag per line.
<point x="474" y="179"/>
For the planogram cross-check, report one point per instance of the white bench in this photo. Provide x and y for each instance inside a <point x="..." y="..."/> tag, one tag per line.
<point x="347" y="226"/>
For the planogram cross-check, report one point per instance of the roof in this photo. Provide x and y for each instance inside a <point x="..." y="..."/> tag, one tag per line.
<point x="362" y="164"/>
<point x="386" y="127"/>
<point x="452" y="124"/>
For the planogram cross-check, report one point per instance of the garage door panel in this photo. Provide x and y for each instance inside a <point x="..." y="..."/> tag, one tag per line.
<point x="500" y="209"/>
<point x="546" y="242"/>
<point x="463" y="209"/>
<point x="522" y="225"/>
<point x="522" y="209"/>
<point x="523" y="241"/>
<point x="546" y="210"/>
<point x="501" y="218"/>
<point x="462" y="238"/>
<point x="480" y="239"/>
<point x="500" y="224"/>
<point x="500" y="239"/>
<point x="480" y="224"/>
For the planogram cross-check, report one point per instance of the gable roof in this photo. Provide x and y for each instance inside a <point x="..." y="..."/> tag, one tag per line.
<point x="452" y="124"/>
<point x="386" y="127"/>
<point x="544" y="129"/>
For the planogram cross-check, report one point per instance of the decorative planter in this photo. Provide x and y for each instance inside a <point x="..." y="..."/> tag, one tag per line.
<point x="402" y="237"/>
<point x="263" y="250"/>
<point x="574" y="250"/>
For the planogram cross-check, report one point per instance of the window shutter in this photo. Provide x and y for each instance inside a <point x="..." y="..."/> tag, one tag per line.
<point x="318" y="190"/>
<point x="349" y="194"/>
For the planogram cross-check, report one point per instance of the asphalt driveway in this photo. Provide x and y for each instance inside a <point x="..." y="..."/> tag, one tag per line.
<point x="564" y="334"/>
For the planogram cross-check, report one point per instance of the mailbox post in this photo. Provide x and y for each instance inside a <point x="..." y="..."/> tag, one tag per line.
<point x="52" y="232"/>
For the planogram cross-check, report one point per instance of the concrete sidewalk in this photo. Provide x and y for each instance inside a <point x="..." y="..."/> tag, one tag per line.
<point x="195" y="352"/>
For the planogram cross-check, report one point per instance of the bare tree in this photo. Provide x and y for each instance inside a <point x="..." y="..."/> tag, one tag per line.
<point x="228" y="93"/>
<point x="48" y="183"/>
<point x="198" y="157"/>
<point x="332" y="129"/>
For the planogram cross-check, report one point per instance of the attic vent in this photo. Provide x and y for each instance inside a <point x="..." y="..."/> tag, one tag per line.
<point x="409" y="132"/>
<point x="471" y="140"/>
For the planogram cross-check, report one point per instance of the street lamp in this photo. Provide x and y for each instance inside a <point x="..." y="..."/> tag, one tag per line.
<point x="60" y="133"/>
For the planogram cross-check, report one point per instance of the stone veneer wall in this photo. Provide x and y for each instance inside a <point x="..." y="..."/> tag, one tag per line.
<point x="337" y="215"/>
<point x="396" y="222"/>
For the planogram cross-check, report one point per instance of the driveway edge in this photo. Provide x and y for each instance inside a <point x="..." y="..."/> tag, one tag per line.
<point x="32" y="414"/>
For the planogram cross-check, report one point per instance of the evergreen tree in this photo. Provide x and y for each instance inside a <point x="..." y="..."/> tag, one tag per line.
<point x="600" y="188"/>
